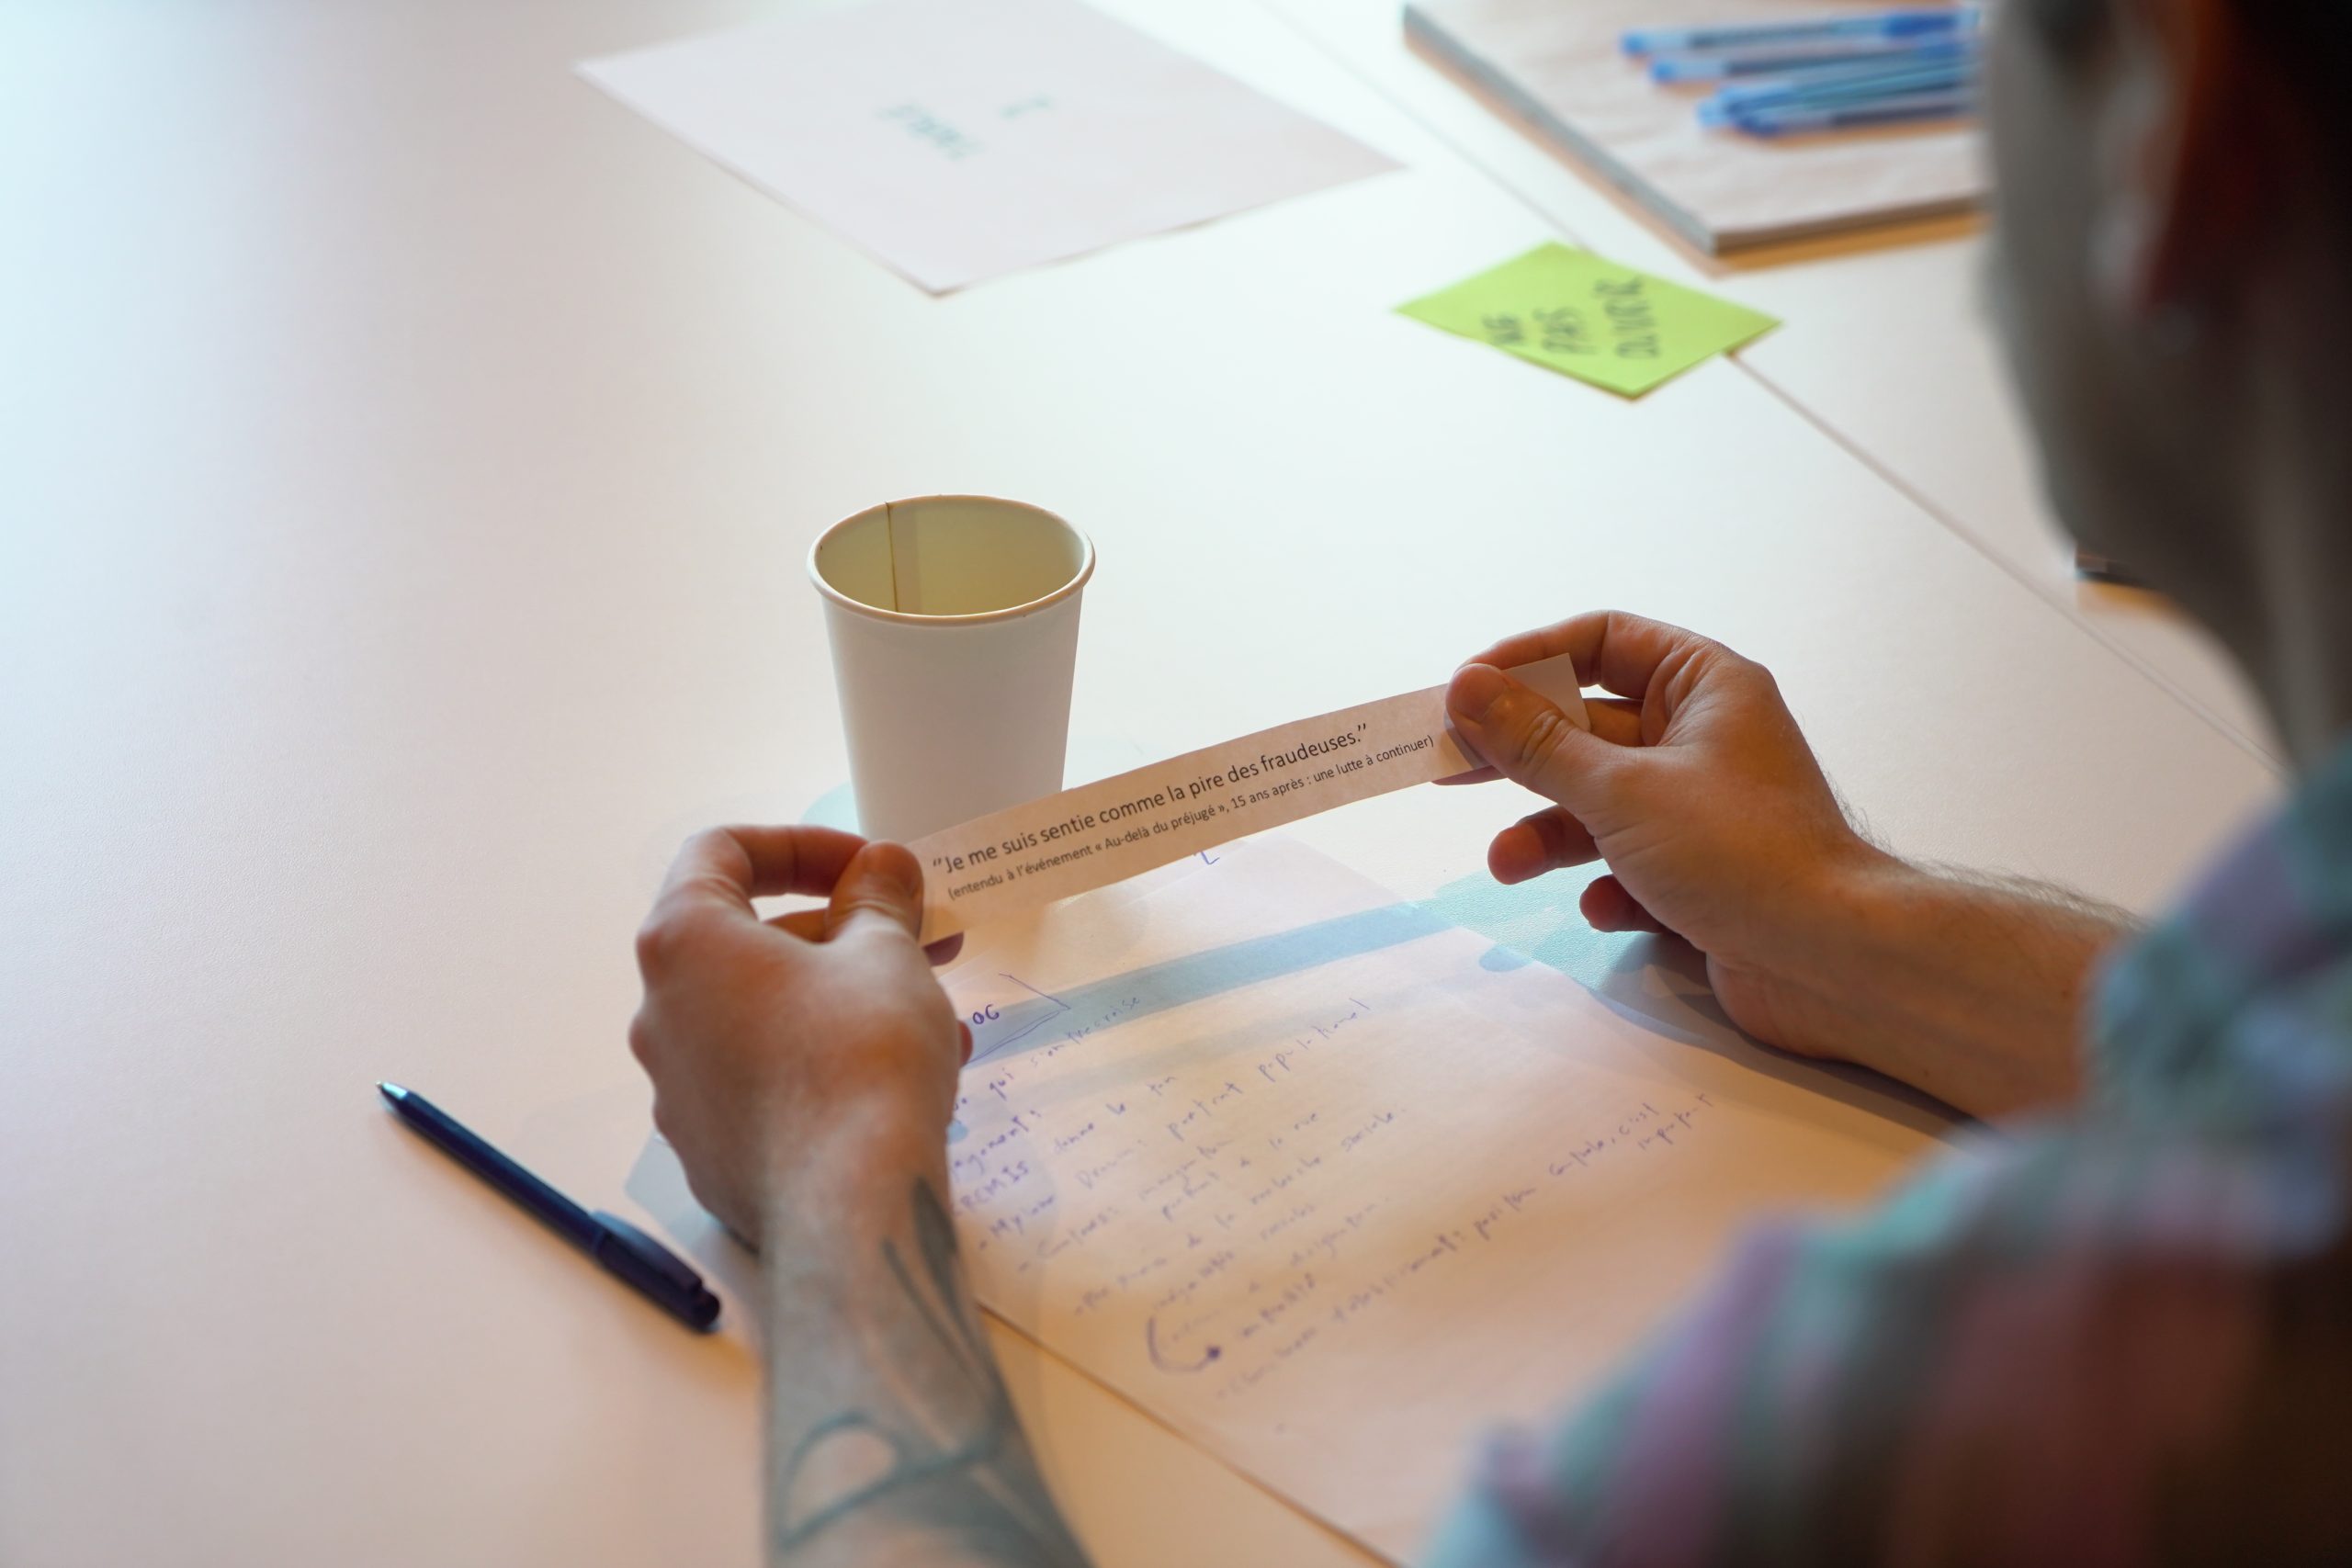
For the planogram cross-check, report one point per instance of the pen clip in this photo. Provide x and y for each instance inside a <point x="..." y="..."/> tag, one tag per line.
<point x="628" y="1251"/>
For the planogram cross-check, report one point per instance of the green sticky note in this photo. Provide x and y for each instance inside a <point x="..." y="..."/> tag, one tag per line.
<point x="1575" y="312"/>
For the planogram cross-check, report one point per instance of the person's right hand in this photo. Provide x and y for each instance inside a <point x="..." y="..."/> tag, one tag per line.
<point x="1697" y="789"/>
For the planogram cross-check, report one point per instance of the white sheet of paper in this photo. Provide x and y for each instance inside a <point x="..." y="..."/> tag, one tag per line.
<point x="1280" y="1158"/>
<point x="957" y="139"/>
<point x="1013" y="860"/>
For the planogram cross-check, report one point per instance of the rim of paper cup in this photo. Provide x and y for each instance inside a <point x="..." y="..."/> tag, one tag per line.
<point x="980" y="618"/>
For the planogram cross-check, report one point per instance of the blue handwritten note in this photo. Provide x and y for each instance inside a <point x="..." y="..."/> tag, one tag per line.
<point x="1278" y="1155"/>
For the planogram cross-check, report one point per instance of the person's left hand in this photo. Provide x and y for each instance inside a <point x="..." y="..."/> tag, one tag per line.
<point x="777" y="1046"/>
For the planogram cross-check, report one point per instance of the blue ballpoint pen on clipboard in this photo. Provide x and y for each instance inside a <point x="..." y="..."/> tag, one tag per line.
<point x="1837" y="93"/>
<point x="1795" y="62"/>
<point x="1801" y="121"/>
<point x="1737" y="107"/>
<point x="1924" y="23"/>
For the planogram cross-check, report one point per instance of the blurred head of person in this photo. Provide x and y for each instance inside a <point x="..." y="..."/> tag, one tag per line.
<point x="2173" y="277"/>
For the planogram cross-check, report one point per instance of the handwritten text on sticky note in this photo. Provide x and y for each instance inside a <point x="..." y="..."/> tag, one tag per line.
<point x="1584" y="316"/>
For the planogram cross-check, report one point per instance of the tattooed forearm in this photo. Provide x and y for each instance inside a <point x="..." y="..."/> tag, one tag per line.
<point x="926" y="1453"/>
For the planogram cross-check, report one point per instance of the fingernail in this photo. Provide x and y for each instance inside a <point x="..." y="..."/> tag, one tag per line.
<point x="1475" y="689"/>
<point x="899" y="869"/>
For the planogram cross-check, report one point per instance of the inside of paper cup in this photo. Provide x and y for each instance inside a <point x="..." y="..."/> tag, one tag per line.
<point x="951" y="556"/>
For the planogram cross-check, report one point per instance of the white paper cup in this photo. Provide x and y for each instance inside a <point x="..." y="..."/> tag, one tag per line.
<point x="953" y="621"/>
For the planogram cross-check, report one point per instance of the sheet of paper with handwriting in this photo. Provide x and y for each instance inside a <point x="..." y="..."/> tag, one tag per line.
<point x="1296" y="1166"/>
<point x="959" y="140"/>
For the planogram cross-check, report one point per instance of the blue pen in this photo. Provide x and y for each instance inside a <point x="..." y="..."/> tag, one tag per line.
<point x="1905" y="24"/>
<point x="636" y="1259"/>
<point x="1804" y="121"/>
<point x="1811" y="60"/>
<point x="1860" y="78"/>
<point x="1838" y="92"/>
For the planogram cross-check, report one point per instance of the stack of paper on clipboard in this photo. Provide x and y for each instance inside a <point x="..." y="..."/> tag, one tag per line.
<point x="1560" y="66"/>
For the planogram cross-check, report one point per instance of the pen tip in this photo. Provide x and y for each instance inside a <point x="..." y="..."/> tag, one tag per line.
<point x="392" y="1092"/>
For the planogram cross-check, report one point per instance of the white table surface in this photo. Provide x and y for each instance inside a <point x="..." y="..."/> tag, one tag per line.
<point x="406" y="461"/>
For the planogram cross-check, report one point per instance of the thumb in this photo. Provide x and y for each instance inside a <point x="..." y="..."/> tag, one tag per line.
<point x="1526" y="738"/>
<point x="881" y="884"/>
